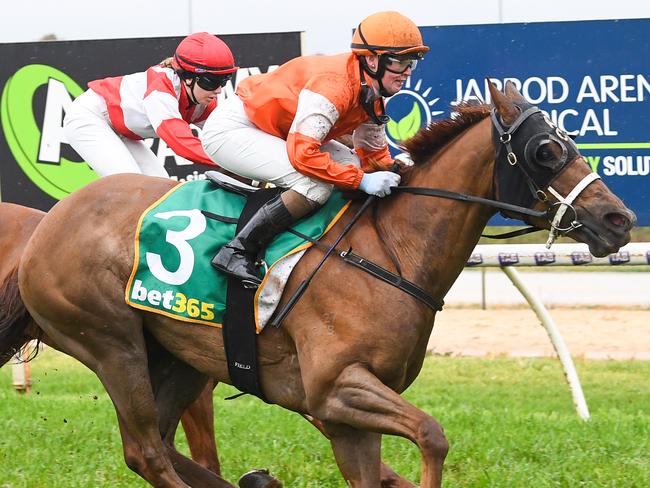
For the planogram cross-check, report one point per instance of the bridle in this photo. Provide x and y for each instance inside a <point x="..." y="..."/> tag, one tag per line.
<point x="514" y="149"/>
<point x="536" y="174"/>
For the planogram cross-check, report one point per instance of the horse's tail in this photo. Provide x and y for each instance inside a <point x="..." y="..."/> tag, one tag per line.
<point x="14" y="318"/>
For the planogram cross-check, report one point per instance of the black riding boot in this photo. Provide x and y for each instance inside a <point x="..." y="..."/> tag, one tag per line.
<point x="237" y="258"/>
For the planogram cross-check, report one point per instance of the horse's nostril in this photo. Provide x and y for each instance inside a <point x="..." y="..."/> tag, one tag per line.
<point x="617" y="220"/>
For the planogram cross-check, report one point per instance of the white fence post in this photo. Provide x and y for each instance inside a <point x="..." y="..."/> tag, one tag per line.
<point x="557" y="340"/>
<point x="508" y="256"/>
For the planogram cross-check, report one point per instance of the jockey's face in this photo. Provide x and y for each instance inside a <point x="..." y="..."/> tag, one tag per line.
<point x="202" y="96"/>
<point x="392" y="80"/>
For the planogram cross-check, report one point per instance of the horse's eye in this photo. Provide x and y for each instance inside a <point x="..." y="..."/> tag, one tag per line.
<point x="544" y="154"/>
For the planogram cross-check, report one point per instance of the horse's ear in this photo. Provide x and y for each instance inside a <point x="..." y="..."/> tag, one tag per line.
<point x="503" y="104"/>
<point x="513" y="93"/>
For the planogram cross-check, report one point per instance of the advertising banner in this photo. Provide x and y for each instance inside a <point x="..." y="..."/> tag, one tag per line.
<point x="592" y="78"/>
<point x="38" y="81"/>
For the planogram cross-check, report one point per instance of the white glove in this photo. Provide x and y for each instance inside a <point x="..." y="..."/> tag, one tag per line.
<point x="379" y="183"/>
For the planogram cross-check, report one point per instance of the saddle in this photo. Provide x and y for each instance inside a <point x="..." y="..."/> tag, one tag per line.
<point x="230" y="184"/>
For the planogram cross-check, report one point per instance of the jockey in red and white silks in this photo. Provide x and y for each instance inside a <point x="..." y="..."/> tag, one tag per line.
<point x="106" y="125"/>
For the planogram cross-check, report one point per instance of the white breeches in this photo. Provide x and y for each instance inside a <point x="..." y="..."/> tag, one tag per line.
<point x="238" y="145"/>
<point x="89" y="132"/>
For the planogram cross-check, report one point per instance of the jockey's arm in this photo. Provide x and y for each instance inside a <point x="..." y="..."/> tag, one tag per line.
<point x="161" y="106"/>
<point x="179" y="137"/>
<point x="315" y="117"/>
<point x="371" y="145"/>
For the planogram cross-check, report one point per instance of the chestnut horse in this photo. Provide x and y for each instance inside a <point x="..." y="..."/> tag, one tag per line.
<point x="342" y="355"/>
<point x="17" y="224"/>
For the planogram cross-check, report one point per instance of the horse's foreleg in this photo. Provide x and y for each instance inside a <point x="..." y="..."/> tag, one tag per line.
<point x="357" y="455"/>
<point x="389" y="478"/>
<point x="360" y="400"/>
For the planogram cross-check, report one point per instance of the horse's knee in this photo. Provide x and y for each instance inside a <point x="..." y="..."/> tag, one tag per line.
<point x="431" y="438"/>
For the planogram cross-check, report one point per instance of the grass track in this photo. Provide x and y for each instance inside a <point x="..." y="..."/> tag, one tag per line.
<point x="510" y="423"/>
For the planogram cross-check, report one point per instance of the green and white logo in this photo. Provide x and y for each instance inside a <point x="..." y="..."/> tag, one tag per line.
<point x="409" y="110"/>
<point x="37" y="147"/>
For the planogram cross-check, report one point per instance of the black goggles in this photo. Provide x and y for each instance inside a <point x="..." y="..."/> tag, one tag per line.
<point x="212" y="81"/>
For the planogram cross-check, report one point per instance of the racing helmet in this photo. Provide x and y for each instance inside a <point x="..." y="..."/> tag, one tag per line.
<point x="388" y="33"/>
<point x="203" y="52"/>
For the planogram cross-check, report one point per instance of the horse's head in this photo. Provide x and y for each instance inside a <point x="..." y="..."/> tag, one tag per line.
<point x="539" y="166"/>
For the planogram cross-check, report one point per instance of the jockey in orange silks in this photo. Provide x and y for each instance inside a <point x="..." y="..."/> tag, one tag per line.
<point x="281" y="128"/>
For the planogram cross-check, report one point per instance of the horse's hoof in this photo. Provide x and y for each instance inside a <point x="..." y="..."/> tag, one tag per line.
<point x="259" y="478"/>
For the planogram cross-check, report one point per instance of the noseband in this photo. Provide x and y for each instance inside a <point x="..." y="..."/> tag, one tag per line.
<point x="526" y="144"/>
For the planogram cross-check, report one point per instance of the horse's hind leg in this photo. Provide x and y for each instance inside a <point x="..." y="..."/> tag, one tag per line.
<point x="118" y="356"/>
<point x="359" y="400"/>
<point x="172" y="399"/>
<point x="198" y="417"/>
<point x="176" y="385"/>
<point x="198" y="424"/>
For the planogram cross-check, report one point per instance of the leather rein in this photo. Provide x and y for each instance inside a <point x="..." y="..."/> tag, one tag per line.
<point x="505" y="137"/>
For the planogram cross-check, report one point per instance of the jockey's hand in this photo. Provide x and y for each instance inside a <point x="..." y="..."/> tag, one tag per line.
<point x="404" y="162"/>
<point x="379" y="183"/>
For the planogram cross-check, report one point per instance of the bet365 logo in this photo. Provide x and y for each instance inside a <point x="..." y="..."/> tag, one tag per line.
<point x="36" y="144"/>
<point x="409" y="110"/>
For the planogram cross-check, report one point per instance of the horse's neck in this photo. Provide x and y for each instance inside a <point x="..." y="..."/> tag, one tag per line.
<point x="434" y="237"/>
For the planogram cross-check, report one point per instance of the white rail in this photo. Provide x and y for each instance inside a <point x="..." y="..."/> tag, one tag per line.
<point x="637" y="253"/>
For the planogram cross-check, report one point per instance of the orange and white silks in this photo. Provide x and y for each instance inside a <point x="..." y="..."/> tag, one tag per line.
<point x="309" y="101"/>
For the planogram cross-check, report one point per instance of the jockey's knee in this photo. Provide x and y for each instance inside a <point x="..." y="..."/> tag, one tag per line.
<point x="298" y="204"/>
<point x="315" y="192"/>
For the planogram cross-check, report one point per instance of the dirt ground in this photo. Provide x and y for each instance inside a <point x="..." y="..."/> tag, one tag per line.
<point x="591" y="333"/>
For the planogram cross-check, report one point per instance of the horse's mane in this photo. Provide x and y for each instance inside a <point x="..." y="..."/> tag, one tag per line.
<point x="431" y="138"/>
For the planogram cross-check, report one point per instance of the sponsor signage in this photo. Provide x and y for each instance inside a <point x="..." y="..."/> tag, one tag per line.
<point x="508" y="258"/>
<point x="475" y="259"/>
<point x="581" y="257"/>
<point x="621" y="257"/>
<point x="39" y="80"/>
<point x="542" y="258"/>
<point x="592" y="78"/>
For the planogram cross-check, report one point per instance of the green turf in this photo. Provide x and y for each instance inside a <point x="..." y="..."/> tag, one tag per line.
<point x="510" y="423"/>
